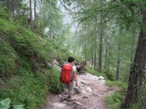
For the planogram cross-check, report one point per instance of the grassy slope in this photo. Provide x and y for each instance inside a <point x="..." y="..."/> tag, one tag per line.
<point x="24" y="76"/>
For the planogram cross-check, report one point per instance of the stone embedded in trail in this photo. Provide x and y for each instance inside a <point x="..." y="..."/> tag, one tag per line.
<point x="102" y="81"/>
<point x="84" y="97"/>
<point x="95" y="78"/>
<point x="101" y="78"/>
<point x="88" y="88"/>
<point x="83" y="91"/>
<point x="78" y="105"/>
<point x="77" y="90"/>
<point x="95" y="93"/>
<point x="58" y="105"/>
<point x="84" y="82"/>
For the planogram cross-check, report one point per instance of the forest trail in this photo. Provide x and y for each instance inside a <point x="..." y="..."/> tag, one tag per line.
<point x="93" y="90"/>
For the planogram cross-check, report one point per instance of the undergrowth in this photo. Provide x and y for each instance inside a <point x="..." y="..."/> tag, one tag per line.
<point x="106" y="74"/>
<point x="25" y="78"/>
<point x="114" y="100"/>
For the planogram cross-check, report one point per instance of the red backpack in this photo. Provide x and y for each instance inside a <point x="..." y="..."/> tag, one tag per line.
<point x="66" y="75"/>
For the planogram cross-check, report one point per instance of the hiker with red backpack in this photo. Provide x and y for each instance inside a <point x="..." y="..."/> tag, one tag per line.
<point x="68" y="76"/>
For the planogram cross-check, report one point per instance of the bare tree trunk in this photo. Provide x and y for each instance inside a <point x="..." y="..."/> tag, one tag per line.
<point x="85" y="52"/>
<point x="14" y="7"/>
<point x="100" y="45"/>
<point x="30" y="9"/>
<point x="118" y="63"/>
<point x="35" y="14"/>
<point x="91" y="57"/>
<point x="108" y="62"/>
<point x="94" y="43"/>
<point x="135" y="78"/>
<point x="132" y="44"/>
<point x="118" y="68"/>
<point x="95" y="59"/>
<point x="101" y="39"/>
<point x="106" y="56"/>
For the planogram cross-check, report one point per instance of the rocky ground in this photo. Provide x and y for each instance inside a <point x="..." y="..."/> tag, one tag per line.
<point x="91" y="96"/>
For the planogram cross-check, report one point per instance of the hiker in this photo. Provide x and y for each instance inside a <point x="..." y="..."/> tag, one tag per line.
<point x="68" y="76"/>
<point x="78" y="67"/>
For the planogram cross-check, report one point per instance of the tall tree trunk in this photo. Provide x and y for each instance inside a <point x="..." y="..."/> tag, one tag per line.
<point x="35" y="14"/>
<point x="135" y="78"/>
<point x="106" y="56"/>
<point x="101" y="39"/>
<point x="118" y="69"/>
<point x="118" y="62"/>
<point x="108" y="61"/>
<point x="14" y="7"/>
<point x="92" y="56"/>
<point x="85" y="51"/>
<point x="100" y="45"/>
<point x="30" y="9"/>
<point x="92" y="66"/>
<point x="95" y="41"/>
<point x="94" y="59"/>
<point x="132" y="44"/>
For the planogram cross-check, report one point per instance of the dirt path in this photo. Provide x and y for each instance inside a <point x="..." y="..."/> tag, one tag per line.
<point x="93" y="90"/>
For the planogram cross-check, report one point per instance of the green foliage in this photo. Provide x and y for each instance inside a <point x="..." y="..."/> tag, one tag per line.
<point x="31" y="89"/>
<point x="114" y="100"/>
<point x="5" y="104"/>
<point x="137" y="106"/>
<point x="3" y="13"/>
<point x="119" y="84"/>
<point x="18" y="107"/>
<point x="95" y="72"/>
<point x="23" y="58"/>
<point x="7" y="59"/>
<point x="55" y="85"/>
<point x="26" y="90"/>
<point x="109" y="75"/>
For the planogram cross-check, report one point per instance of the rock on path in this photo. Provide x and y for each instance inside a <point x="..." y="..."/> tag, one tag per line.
<point x="93" y="90"/>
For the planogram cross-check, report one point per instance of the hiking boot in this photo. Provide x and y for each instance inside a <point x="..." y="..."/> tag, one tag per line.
<point x="69" y="98"/>
<point x="65" y="95"/>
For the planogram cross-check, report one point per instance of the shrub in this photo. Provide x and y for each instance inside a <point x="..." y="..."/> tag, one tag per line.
<point x="109" y="75"/>
<point x="118" y="84"/>
<point x="21" y="52"/>
<point x="55" y="85"/>
<point x="7" y="59"/>
<point x="5" y="104"/>
<point x="114" y="100"/>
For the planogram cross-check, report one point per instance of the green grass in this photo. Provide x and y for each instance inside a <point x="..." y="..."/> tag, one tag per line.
<point x="114" y="100"/>
<point x="30" y="89"/>
<point x="94" y="72"/>
<point x="8" y="57"/>
<point x="119" y="84"/>
<point x="24" y="77"/>
<point x="106" y="74"/>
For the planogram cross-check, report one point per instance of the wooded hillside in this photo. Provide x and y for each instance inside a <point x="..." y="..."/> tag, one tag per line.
<point x="109" y="35"/>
